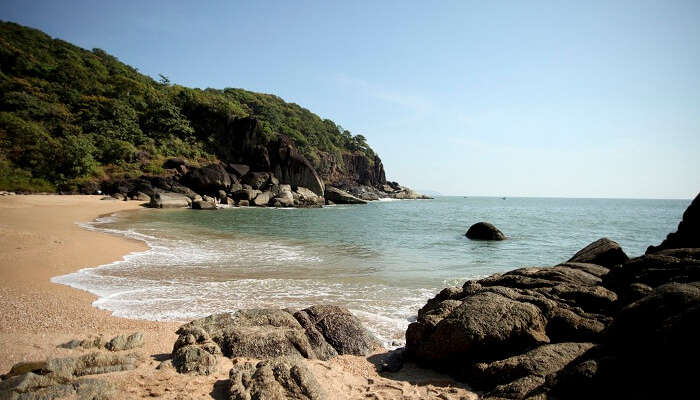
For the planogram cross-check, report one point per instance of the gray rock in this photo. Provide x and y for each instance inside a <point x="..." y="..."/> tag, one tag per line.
<point x="340" y="328"/>
<point x="209" y="179"/>
<point x="31" y="386"/>
<point x="319" y="332"/>
<point x="603" y="252"/>
<point x="245" y="194"/>
<point x="484" y="231"/>
<point x="194" y="352"/>
<point x="539" y="362"/>
<point x="276" y="379"/>
<point x="169" y="200"/>
<point x="305" y="197"/>
<point x="338" y="196"/>
<point x="484" y="325"/>
<point x="203" y="205"/>
<point x="243" y="203"/>
<point x="284" y="199"/>
<point x="256" y="179"/>
<point x="262" y="199"/>
<point x="239" y="169"/>
<point x="122" y="342"/>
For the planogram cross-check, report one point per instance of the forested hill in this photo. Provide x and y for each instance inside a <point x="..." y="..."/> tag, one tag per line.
<point x="69" y="116"/>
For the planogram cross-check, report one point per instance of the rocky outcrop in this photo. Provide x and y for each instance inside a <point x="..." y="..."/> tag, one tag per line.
<point x="275" y="379"/>
<point x="484" y="231"/>
<point x="338" y="196"/>
<point x="593" y="327"/>
<point x="318" y="332"/>
<point x="688" y="233"/>
<point x="352" y="169"/>
<point x="508" y="332"/>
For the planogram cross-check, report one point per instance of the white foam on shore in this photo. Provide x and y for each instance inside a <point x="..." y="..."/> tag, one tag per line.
<point x="180" y="278"/>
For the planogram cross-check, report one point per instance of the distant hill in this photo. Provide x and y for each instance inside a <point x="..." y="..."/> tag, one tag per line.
<point x="70" y="117"/>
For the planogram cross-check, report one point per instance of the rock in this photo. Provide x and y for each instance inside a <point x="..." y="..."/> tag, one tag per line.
<point x="292" y="168"/>
<point x="221" y="196"/>
<point x="485" y="325"/>
<point x="392" y="361"/>
<point x="318" y="332"/>
<point x="340" y="328"/>
<point x="121" y="342"/>
<point x="256" y="179"/>
<point x="169" y="200"/>
<point x="262" y="199"/>
<point x="652" y="270"/>
<point x="276" y="379"/>
<point x="306" y="197"/>
<point x="23" y="367"/>
<point x="31" y="386"/>
<point x="484" y="231"/>
<point x="195" y="352"/>
<point x="688" y="233"/>
<point x="230" y="202"/>
<point x="93" y="363"/>
<point x="539" y="362"/>
<point x="119" y="196"/>
<point x="209" y="179"/>
<point x="245" y="194"/>
<point x="239" y="169"/>
<point x="140" y="196"/>
<point x="243" y="203"/>
<point x="203" y="205"/>
<point x="408" y="194"/>
<point x="603" y="252"/>
<point x="284" y="199"/>
<point x="341" y="197"/>
<point x="108" y="198"/>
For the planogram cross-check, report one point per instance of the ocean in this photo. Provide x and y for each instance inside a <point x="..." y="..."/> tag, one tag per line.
<point x="382" y="260"/>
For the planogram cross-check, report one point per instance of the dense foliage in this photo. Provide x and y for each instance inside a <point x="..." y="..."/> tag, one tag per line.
<point x="68" y="115"/>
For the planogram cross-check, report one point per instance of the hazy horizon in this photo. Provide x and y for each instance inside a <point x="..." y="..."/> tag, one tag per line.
<point x="539" y="99"/>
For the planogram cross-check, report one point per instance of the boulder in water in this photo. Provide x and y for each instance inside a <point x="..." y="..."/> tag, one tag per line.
<point x="484" y="231"/>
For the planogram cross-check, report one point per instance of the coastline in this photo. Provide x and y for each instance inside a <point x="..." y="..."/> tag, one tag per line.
<point x="41" y="239"/>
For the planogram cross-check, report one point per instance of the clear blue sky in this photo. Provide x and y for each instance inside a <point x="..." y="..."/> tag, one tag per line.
<point x="523" y="98"/>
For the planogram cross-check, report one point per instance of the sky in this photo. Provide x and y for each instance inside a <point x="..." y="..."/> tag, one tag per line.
<point x="500" y="98"/>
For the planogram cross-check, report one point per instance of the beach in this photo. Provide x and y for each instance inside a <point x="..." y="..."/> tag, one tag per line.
<point x="40" y="238"/>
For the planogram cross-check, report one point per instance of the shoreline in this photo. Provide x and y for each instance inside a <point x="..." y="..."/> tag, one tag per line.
<point x="42" y="238"/>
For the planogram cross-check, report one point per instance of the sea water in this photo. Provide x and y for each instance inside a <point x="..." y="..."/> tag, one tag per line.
<point x="382" y="260"/>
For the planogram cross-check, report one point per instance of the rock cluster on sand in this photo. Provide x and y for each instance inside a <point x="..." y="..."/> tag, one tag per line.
<point x="484" y="231"/>
<point x="318" y="332"/>
<point x="597" y="326"/>
<point x="57" y="377"/>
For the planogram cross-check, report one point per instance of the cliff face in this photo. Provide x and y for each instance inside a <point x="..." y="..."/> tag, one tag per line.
<point x="352" y="169"/>
<point x="242" y="141"/>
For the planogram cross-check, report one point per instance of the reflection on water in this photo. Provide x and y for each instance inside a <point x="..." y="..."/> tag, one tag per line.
<point x="382" y="260"/>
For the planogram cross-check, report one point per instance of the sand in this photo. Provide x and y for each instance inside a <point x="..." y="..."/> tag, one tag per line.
<point x="40" y="238"/>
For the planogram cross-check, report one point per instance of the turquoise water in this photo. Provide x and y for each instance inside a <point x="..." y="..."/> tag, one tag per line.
<point x="382" y="260"/>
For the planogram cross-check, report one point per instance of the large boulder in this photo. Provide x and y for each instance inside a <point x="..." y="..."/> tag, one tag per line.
<point x="603" y="252"/>
<point x="275" y="379"/>
<point x="485" y="325"/>
<point x="318" y="332"/>
<point x="688" y="233"/>
<point x="262" y="199"/>
<point x="339" y="196"/>
<point x="194" y="352"/>
<point x="257" y="180"/>
<point x="203" y="205"/>
<point x="208" y="180"/>
<point x="484" y="231"/>
<point x="306" y="198"/>
<point x="290" y="166"/>
<point x="169" y="200"/>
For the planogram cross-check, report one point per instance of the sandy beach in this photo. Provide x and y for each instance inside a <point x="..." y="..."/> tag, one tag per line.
<point x="40" y="238"/>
